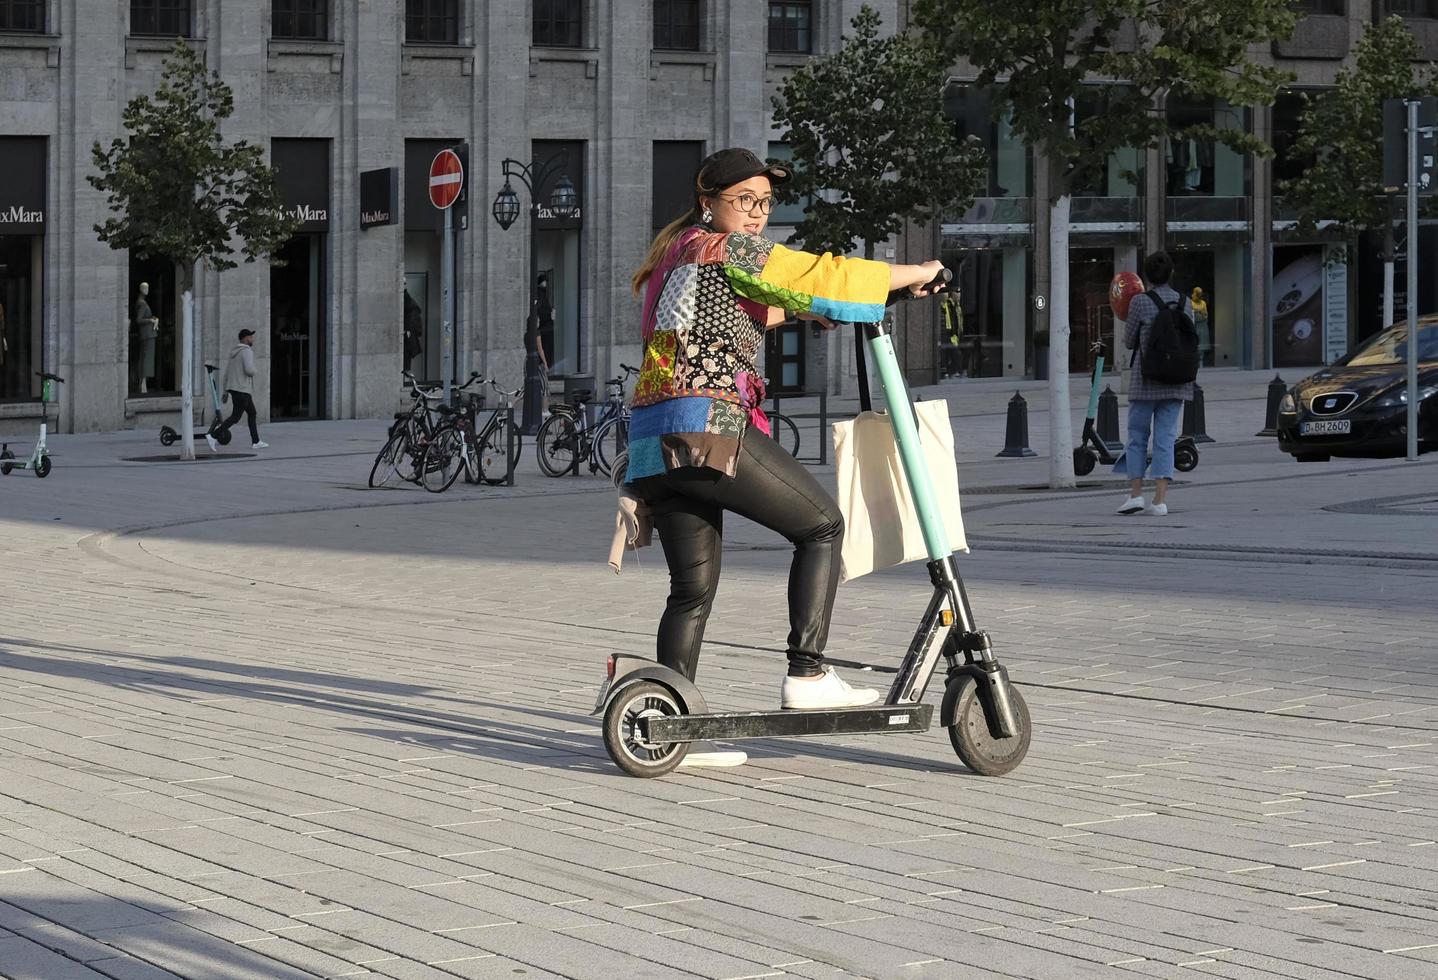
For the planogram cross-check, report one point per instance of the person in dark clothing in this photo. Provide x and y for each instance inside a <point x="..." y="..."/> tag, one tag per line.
<point x="239" y="383"/>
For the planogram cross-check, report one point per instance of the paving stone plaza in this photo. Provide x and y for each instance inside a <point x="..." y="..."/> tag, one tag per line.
<point x="257" y="721"/>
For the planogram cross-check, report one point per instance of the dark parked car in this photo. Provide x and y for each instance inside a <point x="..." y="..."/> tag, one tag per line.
<point x="1359" y="405"/>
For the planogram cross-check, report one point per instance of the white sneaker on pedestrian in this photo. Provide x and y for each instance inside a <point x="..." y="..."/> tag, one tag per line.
<point x="703" y="755"/>
<point x="260" y="445"/>
<point x="1156" y="510"/>
<point x="803" y="694"/>
<point x="214" y="446"/>
<point x="1131" y="506"/>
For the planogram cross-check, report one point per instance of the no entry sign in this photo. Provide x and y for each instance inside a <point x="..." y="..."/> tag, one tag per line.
<point x="446" y="179"/>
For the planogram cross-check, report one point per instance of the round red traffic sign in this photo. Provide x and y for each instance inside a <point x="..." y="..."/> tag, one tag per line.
<point x="446" y="179"/>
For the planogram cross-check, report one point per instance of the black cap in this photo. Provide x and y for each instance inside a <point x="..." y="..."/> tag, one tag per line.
<point x="728" y="167"/>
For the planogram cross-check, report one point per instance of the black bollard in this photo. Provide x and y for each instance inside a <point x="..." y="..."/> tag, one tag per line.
<point x="1016" y="433"/>
<point x="1276" y="390"/>
<point x="1108" y="420"/>
<point x="1194" y="422"/>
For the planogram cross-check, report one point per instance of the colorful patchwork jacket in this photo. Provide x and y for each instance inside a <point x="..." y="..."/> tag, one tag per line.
<point x="705" y="310"/>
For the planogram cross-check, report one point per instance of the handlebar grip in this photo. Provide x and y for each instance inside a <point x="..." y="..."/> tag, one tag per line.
<point x="934" y="285"/>
<point x="47" y="376"/>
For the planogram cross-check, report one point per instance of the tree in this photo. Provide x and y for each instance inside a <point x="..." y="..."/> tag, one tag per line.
<point x="181" y="192"/>
<point x="1341" y="135"/>
<point x="871" y="146"/>
<point x="1041" y="57"/>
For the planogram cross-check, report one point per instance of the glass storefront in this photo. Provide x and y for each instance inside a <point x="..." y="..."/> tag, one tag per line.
<point x="298" y="283"/>
<point x="154" y="313"/>
<point x="22" y="264"/>
<point x="1214" y="278"/>
<point x="993" y="287"/>
<point x="559" y="245"/>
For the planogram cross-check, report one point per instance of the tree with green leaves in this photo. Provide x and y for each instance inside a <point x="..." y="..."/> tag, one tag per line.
<point x="1341" y="137"/>
<point x="181" y="192"/>
<point x="871" y="146"/>
<point x="1039" y="58"/>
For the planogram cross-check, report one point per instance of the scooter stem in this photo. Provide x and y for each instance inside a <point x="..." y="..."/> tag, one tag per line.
<point x="1093" y="391"/>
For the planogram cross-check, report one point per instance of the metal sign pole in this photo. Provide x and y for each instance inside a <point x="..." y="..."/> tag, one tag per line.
<point x="446" y="301"/>
<point x="1412" y="277"/>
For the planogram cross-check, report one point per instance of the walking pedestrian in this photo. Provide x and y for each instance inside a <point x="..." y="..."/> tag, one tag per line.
<point x="698" y="439"/>
<point x="239" y="383"/>
<point x="1154" y="408"/>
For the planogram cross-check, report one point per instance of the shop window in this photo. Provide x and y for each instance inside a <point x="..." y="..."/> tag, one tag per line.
<point x="431" y="21"/>
<point x="22" y="15"/>
<point x="1418" y="9"/>
<point x="1288" y="110"/>
<point x="1332" y="8"/>
<point x="306" y="20"/>
<point x="675" y="164"/>
<point x="161" y="18"/>
<point x="558" y="23"/>
<point x="558" y="238"/>
<point x="1198" y="165"/>
<point x="791" y="26"/>
<point x="1119" y="176"/>
<point x="971" y="109"/>
<point x="153" y="314"/>
<point x="676" y="25"/>
<point x="20" y="319"/>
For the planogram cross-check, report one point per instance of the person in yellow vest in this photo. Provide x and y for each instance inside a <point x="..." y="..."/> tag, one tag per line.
<point x="1201" y="324"/>
<point x="953" y="313"/>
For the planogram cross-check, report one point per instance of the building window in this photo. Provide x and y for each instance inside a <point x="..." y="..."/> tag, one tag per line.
<point x="558" y="23"/>
<point x="160" y="18"/>
<point x="306" y="20"/>
<point x="1417" y="9"/>
<point x="431" y="21"/>
<point x="22" y="15"/>
<point x="1333" y="8"/>
<point x="676" y="25"/>
<point x="790" y="26"/>
<point x="675" y="164"/>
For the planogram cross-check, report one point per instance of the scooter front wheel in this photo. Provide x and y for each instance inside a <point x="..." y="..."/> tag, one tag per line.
<point x="623" y="740"/>
<point x="1084" y="461"/>
<point x="42" y="468"/>
<point x="1185" y="457"/>
<point x="971" y="736"/>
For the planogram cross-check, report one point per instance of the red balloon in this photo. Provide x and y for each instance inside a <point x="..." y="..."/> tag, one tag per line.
<point x="1125" y="286"/>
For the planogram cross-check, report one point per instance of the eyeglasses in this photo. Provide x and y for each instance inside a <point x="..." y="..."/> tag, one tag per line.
<point x="747" y="202"/>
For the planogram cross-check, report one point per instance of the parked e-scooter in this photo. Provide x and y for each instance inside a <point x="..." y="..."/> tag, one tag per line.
<point x="1092" y="450"/>
<point x="652" y="713"/>
<point x="39" y="460"/>
<point x="222" y="436"/>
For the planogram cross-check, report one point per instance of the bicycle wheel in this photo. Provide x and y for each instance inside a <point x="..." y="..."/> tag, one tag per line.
<point x="786" y="433"/>
<point x="469" y="456"/>
<point x="557" y="445"/>
<point x="492" y="467"/>
<point x="611" y="440"/>
<point x="442" y="461"/>
<point x="387" y="464"/>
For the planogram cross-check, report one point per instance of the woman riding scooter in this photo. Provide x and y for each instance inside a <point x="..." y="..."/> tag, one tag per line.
<point x="698" y="440"/>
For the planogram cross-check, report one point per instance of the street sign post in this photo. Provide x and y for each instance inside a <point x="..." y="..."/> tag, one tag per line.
<point x="446" y="180"/>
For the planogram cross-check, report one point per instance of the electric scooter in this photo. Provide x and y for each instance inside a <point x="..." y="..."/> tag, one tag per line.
<point x="652" y="713"/>
<point x="39" y="461"/>
<point x="222" y="436"/>
<point x="1092" y="450"/>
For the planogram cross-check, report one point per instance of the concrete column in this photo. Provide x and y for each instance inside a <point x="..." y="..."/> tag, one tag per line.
<point x="1260" y="266"/>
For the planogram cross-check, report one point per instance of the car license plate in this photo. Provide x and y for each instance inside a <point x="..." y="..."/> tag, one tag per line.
<point x="1327" y="427"/>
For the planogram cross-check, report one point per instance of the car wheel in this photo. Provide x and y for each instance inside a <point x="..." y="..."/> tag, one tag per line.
<point x="1312" y="457"/>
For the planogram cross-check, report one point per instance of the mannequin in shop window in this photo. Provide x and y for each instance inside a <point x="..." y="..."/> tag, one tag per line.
<point x="413" y="331"/>
<point x="1199" y="302"/>
<point x="147" y="329"/>
<point x="1190" y="165"/>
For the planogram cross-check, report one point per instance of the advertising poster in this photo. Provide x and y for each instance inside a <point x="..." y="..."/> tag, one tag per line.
<point x="1335" y="303"/>
<point x="1298" y="308"/>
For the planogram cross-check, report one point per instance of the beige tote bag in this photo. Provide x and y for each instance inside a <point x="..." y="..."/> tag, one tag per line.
<point x="881" y="525"/>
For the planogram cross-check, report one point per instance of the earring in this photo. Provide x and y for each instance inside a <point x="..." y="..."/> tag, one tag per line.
<point x="707" y="216"/>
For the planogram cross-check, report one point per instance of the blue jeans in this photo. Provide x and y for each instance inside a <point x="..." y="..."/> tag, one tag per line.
<point x="1162" y="418"/>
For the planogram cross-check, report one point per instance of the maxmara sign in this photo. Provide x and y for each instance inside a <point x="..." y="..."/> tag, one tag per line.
<point x="17" y="214"/>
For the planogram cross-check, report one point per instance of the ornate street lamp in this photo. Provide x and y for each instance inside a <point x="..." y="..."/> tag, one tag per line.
<point x="563" y="201"/>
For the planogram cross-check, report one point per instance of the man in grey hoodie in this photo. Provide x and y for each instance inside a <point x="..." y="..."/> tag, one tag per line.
<point x="239" y="383"/>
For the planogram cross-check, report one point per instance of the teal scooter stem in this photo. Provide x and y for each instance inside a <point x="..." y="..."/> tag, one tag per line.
<point x="653" y="713"/>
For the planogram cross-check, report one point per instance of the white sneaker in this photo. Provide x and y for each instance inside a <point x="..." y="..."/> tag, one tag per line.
<point x="260" y="445"/>
<point x="1131" y="506"/>
<point x="1156" y="510"/>
<point x="214" y="446"/>
<point x="703" y="755"/>
<point x="831" y="691"/>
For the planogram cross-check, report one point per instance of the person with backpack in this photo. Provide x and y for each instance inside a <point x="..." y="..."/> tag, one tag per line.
<point x="1160" y="332"/>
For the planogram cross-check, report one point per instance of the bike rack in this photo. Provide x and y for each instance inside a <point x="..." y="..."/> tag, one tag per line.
<point x="822" y="415"/>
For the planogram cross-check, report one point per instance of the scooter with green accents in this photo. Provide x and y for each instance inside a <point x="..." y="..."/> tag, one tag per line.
<point x="1092" y="450"/>
<point x="39" y="460"/>
<point x="653" y="713"/>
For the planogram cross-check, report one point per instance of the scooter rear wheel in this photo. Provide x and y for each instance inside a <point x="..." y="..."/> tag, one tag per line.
<point x="1185" y="458"/>
<point x="622" y="739"/>
<point x="1084" y="461"/>
<point x="970" y="734"/>
<point x="168" y="436"/>
<point x="222" y="436"/>
<point x="5" y="468"/>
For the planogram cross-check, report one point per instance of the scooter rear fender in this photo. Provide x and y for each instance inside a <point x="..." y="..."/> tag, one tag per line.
<point x="629" y="669"/>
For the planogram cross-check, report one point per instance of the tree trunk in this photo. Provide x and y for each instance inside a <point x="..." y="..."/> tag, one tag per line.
<point x="1061" y="463"/>
<point x="187" y="364"/>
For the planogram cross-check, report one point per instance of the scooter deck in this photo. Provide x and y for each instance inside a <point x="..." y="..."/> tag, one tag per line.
<point x="788" y="724"/>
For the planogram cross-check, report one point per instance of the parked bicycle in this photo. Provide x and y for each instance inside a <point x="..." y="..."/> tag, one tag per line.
<point x="567" y="438"/>
<point x="784" y="432"/>
<point x="403" y="453"/>
<point x="459" y="445"/>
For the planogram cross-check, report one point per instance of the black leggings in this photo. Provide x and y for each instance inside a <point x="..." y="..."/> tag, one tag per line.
<point x="243" y="404"/>
<point x="772" y="489"/>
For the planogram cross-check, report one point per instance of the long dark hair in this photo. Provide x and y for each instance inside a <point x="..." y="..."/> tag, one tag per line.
<point x="660" y="246"/>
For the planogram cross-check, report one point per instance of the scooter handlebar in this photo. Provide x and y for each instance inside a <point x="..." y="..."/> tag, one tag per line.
<point x="935" y="285"/>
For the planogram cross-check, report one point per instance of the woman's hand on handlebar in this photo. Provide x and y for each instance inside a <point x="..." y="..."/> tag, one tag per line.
<point x="915" y="277"/>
